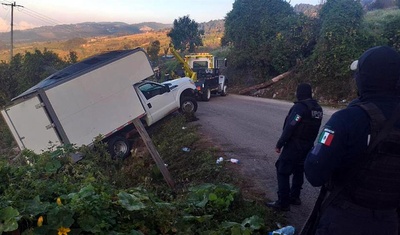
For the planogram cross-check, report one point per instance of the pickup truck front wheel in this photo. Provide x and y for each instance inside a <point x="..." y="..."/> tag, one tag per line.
<point x="206" y="95"/>
<point x="118" y="147"/>
<point x="188" y="105"/>
<point x="224" y="91"/>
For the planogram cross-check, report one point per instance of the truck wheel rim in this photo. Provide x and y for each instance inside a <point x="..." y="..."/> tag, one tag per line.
<point x="120" y="148"/>
<point x="187" y="107"/>
<point x="208" y="94"/>
<point x="224" y="89"/>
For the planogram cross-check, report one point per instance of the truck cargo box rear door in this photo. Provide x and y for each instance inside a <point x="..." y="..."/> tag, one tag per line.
<point x="30" y="125"/>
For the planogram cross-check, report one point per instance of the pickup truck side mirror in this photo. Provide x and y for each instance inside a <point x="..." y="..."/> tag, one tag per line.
<point x="166" y="88"/>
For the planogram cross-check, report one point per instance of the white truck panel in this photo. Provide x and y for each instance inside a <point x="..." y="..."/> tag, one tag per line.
<point x="102" y="100"/>
<point x="29" y="125"/>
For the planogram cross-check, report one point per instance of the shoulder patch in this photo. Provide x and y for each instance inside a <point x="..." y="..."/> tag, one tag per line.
<point x="296" y="119"/>
<point x="326" y="137"/>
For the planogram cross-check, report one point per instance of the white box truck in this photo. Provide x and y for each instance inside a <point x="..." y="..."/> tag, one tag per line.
<point x="99" y="96"/>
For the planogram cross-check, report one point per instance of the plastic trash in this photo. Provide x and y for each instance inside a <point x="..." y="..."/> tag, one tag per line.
<point x="288" y="230"/>
<point x="186" y="149"/>
<point x="233" y="160"/>
<point x="219" y="160"/>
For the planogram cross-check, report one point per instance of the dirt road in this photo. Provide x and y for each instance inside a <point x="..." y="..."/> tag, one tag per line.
<point x="247" y="129"/>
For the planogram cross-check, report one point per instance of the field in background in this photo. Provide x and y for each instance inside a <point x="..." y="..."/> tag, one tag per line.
<point x="85" y="47"/>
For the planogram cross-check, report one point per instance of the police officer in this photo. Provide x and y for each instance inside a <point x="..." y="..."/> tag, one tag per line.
<point x="358" y="153"/>
<point x="300" y="129"/>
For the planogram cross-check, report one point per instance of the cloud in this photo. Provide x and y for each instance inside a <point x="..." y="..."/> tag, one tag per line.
<point x="22" y="25"/>
<point x="4" y="25"/>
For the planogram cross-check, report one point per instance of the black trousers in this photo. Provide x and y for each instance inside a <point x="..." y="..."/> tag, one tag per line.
<point x="287" y="189"/>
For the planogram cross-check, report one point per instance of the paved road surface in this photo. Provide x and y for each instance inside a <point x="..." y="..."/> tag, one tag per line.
<point x="247" y="129"/>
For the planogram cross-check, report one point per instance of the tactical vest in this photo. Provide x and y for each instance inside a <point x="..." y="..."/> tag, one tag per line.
<point x="309" y="126"/>
<point x="376" y="183"/>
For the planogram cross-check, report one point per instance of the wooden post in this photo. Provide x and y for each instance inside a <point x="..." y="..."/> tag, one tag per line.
<point x="153" y="151"/>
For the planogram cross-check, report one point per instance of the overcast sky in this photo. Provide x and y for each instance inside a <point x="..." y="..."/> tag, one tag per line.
<point x="35" y="13"/>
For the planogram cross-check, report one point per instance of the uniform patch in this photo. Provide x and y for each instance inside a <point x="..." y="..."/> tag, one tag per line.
<point x="326" y="137"/>
<point x="295" y="120"/>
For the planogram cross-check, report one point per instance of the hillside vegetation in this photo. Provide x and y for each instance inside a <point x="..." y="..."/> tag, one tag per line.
<point x="100" y="38"/>
<point x="316" y="49"/>
<point x="46" y="193"/>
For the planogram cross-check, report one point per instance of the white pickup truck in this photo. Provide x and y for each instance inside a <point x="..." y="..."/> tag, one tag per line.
<point x="99" y="96"/>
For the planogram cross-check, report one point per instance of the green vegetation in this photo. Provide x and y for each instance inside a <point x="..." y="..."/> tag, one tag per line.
<point x="185" y="34"/>
<point x="266" y="38"/>
<point x="98" y="195"/>
<point x="46" y="193"/>
<point x="340" y="42"/>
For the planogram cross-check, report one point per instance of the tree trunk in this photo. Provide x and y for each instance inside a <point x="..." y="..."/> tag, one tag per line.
<point x="268" y="83"/>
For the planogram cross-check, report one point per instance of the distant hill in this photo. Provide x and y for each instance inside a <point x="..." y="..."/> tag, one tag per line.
<point x="93" y="29"/>
<point x="81" y="30"/>
<point x="308" y="9"/>
<point x="213" y="26"/>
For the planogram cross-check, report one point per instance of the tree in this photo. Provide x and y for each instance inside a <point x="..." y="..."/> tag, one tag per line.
<point x="31" y="68"/>
<point x="153" y="50"/>
<point x="253" y="29"/>
<point x="340" y="41"/>
<point x="185" y="34"/>
<point x="8" y="85"/>
<point x="391" y="31"/>
<point x="72" y="57"/>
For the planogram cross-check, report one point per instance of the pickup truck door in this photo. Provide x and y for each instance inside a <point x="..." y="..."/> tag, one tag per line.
<point x="158" y="99"/>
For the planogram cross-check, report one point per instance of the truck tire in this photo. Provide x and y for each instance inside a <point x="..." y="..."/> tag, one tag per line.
<point x="206" y="94"/>
<point x="119" y="147"/>
<point x="188" y="105"/>
<point x="224" y="91"/>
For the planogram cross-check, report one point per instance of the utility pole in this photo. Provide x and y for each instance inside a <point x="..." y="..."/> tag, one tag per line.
<point x="12" y="5"/>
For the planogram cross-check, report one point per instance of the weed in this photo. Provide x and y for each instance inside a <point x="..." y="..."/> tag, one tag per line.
<point x="48" y="193"/>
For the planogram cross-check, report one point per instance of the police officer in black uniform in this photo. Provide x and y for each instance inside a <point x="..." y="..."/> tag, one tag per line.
<point x="300" y="129"/>
<point x="358" y="153"/>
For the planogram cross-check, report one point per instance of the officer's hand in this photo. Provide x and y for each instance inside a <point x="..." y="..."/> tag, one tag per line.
<point x="277" y="150"/>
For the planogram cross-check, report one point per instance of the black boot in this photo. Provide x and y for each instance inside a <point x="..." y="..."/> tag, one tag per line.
<point x="295" y="201"/>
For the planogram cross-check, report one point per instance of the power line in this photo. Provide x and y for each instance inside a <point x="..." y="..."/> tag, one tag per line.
<point x="12" y="5"/>
<point x="39" y="16"/>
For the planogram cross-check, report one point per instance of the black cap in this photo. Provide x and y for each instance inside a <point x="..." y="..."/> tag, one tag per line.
<point x="303" y="91"/>
<point x="378" y="71"/>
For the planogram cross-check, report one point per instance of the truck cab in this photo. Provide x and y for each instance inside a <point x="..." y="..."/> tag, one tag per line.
<point x="209" y="80"/>
<point x="203" y="69"/>
<point x="161" y="99"/>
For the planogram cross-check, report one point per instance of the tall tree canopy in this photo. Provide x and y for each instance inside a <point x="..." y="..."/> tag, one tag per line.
<point x="153" y="50"/>
<point x="340" y="42"/>
<point x="253" y="29"/>
<point x="26" y="70"/>
<point x="185" y="34"/>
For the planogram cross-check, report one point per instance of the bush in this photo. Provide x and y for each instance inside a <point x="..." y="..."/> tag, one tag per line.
<point x="49" y="194"/>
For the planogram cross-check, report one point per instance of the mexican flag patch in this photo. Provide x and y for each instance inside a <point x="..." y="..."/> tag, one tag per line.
<point x="326" y="137"/>
<point x="295" y="120"/>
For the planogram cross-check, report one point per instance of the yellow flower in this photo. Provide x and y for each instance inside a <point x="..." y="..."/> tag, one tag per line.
<point x="40" y="221"/>
<point x="63" y="231"/>
<point x="59" y="201"/>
